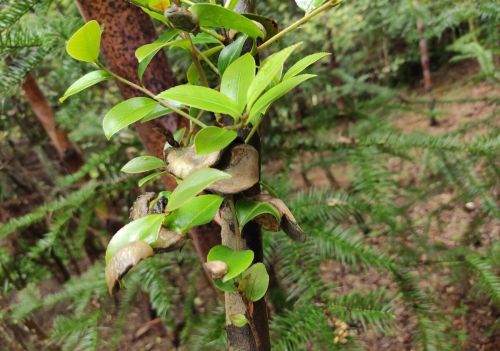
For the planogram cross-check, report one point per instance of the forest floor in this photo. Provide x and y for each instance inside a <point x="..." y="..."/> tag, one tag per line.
<point x="470" y="320"/>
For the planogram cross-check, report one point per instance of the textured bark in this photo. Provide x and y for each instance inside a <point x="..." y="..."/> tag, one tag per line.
<point x="126" y="28"/>
<point x="70" y="157"/>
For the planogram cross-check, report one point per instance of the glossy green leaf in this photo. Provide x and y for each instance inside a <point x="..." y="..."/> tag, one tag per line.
<point x="225" y="286"/>
<point x="309" y="5"/>
<point x="203" y="98"/>
<point x="152" y="48"/>
<point x="194" y="184"/>
<point x="269" y="70"/>
<point x="149" y="178"/>
<point x="212" y="139"/>
<point x="88" y="80"/>
<point x="146" y="53"/>
<point x="144" y="229"/>
<point x="230" y="4"/>
<point x="216" y="16"/>
<point x="274" y="94"/>
<point x="179" y="134"/>
<point x="237" y="79"/>
<point x="197" y="211"/>
<point x="142" y="164"/>
<point x="237" y="261"/>
<point x="270" y="25"/>
<point x="125" y="113"/>
<point x="302" y="64"/>
<point x="254" y="282"/>
<point x="84" y="44"/>
<point x="157" y="112"/>
<point x="238" y="320"/>
<point x="246" y="210"/>
<point x="230" y="53"/>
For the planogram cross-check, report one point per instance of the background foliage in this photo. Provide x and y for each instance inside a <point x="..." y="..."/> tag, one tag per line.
<point x="382" y="262"/>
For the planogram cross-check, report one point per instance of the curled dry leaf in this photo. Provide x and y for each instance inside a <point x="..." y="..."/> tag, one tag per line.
<point x="140" y="208"/>
<point x="168" y="241"/>
<point x="123" y="260"/>
<point x="181" y="162"/>
<point x="288" y="223"/>
<point x="243" y="166"/>
<point x="217" y="269"/>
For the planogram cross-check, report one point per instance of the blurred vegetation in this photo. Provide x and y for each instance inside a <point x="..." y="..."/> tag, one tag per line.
<point x="347" y="123"/>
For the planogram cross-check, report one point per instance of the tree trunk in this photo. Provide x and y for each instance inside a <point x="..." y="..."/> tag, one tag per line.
<point x="126" y="28"/>
<point x="425" y="62"/>
<point x="71" y="158"/>
<point x="255" y="335"/>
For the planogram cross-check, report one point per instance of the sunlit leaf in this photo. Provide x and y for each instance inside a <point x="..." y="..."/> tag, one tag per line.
<point x="194" y="184"/>
<point x="266" y="74"/>
<point x="238" y="320"/>
<point x="142" y="164"/>
<point x="197" y="211"/>
<point x="203" y="98"/>
<point x="125" y="113"/>
<point x="88" y="80"/>
<point x="144" y="229"/>
<point x="216" y="16"/>
<point x="302" y="64"/>
<point x="274" y="94"/>
<point x="149" y="178"/>
<point x="84" y="44"/>
<point x="211" y="139"/>
<point x="309" y="5"/>
<point x="237" y="79"/>
<point x="237" y="261"/>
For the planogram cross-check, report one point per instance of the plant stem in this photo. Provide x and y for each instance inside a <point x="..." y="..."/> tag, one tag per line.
<point x="196" y="62"/>
<point x="207" y="60"/>
<point x="153" y="96"/>
<point x="295" y="25"/>
<point x="237" y="229"/>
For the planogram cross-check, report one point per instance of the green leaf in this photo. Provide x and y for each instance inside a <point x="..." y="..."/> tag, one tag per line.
<point x="142" y="164"/>
<point x="231" y="4"/>
<point x="237" y="79"/>
<point x="254" y="282"/>
<point x="85" y="42"/>
<point x="88" y="80"/>
<point x="203" y="98"/>
<point x="216" y="16"/>
<point x="247" y="210"/>
<point x="269" y="70"/>
<point x="146" y="50"/>
<point x="197" y="211"/>
<point x="302" y="64"/>
<point x="158" y="111"/>
<point x="230" y="53"/>
<point x="145" y="229"/>
<point x="179" y="134"/>
<point x="226" y="286"/>
<point x="309" y="5"/>
<point x="125" y="113"/>
<point x="193" y="184"/>
<point x="237" y="261"/>
<point x="238" y="320"/>
<point x="146" y="53"/>
<point x="211" y="139"/>
<point x="149" y="178"/>
<point x="274" y="94"/>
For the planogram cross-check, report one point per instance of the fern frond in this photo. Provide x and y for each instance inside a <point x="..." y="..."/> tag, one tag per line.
<point x="489" y="280"/>
<point x="13" y="10"/>
<point x="78" y="333"/>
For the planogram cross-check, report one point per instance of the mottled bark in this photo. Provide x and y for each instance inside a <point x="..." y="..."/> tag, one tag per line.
<point x="126" y="28"/>
<point x="70" y="157"/>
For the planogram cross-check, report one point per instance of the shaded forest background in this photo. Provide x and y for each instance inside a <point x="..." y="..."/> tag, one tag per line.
<point x="389" y="160"/>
